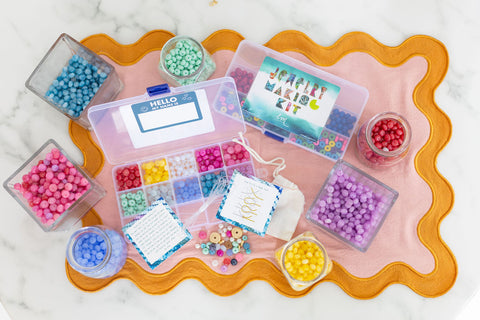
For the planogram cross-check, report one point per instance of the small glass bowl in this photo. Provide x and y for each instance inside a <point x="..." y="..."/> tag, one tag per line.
<point x="203" y="71"/>
<point x="280" y="255"/>
<point x="372" y="156"/>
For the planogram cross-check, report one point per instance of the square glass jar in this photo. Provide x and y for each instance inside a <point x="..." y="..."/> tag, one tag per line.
<point x="71" y="66"/>
<point x="20" y="188"/>
<point x="352" y="205"/>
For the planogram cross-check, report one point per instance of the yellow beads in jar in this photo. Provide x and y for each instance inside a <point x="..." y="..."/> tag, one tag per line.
<point x="155" y="171"/>
<point x="304" y="260"/>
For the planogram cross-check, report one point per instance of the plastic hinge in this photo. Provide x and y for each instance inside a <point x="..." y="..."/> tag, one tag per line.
<point x="274" y="136"/>
<point x="158" y="89"/>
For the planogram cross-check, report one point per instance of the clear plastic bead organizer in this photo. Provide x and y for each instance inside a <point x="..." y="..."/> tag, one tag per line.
<point x="173" y="143"/>
<point x="272" y="81"/>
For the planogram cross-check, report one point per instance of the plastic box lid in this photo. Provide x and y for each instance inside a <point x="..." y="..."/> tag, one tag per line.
<point x="174" y="120"/>
<point x="332" y="142"/>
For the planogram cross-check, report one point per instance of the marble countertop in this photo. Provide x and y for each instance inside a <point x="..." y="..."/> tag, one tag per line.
<point x="33" y="284"/>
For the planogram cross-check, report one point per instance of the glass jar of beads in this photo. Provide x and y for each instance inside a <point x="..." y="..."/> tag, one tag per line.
<point x="185" y="61"/>
<point x="72" y="78"/>
<point x="96" y="252"/>
<point x="304" y="261"/>
<point x="384" y="140"/>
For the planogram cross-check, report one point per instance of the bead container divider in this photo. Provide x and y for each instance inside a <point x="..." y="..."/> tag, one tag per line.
<point x="331" y="143"/>
<point x="182" y="209"/>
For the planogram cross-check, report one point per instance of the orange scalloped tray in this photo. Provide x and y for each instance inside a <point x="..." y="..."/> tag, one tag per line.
<point x="433" y="284"/>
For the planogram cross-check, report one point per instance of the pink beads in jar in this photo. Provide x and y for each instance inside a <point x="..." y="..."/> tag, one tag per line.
<point x="52" y="189"/>
<point x="384" y="140"/>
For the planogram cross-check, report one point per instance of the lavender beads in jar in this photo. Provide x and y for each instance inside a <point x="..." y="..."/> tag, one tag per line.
<point x="96" y="252"/>
<point x="352" y="205"/>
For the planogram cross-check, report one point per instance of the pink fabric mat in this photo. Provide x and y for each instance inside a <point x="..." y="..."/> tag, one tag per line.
<point x="390" y="89"/>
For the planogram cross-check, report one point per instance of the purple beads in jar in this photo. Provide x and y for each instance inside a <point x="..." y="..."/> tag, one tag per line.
<point x="352" y="205"/>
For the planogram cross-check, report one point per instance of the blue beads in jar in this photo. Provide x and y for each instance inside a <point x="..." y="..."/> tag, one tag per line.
<point x="96" y="252"/>
<point x="76" y="85"/>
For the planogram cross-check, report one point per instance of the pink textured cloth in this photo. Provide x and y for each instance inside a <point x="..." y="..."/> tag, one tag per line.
<point x="390" y="89"/>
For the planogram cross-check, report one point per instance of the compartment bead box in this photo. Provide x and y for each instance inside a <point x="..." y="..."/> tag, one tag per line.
<point x="181" y="178"/>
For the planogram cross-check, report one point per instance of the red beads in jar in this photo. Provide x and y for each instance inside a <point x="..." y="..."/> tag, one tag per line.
<point x="384" y="139"/>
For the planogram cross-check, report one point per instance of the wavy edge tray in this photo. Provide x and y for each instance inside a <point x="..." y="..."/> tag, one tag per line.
<point x="433" y="284"/>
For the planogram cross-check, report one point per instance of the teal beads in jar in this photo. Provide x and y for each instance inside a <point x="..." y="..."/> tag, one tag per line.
<point x="96" y="252"/>
<point x="184" y="61"/>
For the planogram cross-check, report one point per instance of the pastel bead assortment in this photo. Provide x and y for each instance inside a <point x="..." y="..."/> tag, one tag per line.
<point x="234" y="153"/>
<point x="155" y="171"/>
<point x="184" y="178"/>
<point x="127" y="177"/>
<point x="187" y="190"/>
<point x="185" y="61"/>
<point x="96" y="252"/>
<point x="52" y="186"/>
<point x="133" y="202"/>
<point x="304" y="260"/>
<point x="229" y="243"/>
<point x="352" y="205"/>
<point x="75" y="86"/>
<point x="163" y="190"/>
<point x="341" y="121"/>
<point x="243" y="79"/>
<point x="181" y="165"/>
<point x="209" y="158"/>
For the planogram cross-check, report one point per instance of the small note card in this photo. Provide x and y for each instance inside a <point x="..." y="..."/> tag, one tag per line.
<point x="157" y="234"/>
<point x="249" y="203"/>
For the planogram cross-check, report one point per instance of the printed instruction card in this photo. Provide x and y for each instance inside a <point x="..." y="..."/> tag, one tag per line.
<point x="291" y="99"/>
<point x="157" y="234"/>
<point x="249" y="203"/>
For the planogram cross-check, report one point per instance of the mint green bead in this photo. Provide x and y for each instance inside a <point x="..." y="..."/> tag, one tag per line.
<point x="137" y="197"/>
<point x="180" y="67"/>
<point x="179" y="44"/>
<point x="205" y="251"/>
<point x="235" y="250"/>
<point x="185" y="73"/>
<point x="177" y="72"/>
<point x="124" y="203"/>
<point x="129" y="195"/>
<point x="199" y="54"/>
<point x="123" y="196"/>
<point x="131" y="203"/>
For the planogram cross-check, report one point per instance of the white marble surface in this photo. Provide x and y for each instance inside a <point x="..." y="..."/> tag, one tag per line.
<point x="33" y="284"/>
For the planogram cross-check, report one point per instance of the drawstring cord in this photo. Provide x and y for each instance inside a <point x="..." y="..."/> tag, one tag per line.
<point x="278" y="161"/>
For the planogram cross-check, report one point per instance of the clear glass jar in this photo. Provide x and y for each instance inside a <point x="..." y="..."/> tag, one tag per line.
<point x="373" y="156"/>
<point x="200" y="71"/>
<point x="281" y="254"/>
<point x="106" y="245"/>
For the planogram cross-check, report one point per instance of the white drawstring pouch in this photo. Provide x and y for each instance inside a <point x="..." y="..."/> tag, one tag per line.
<point x="291" y="203"/>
